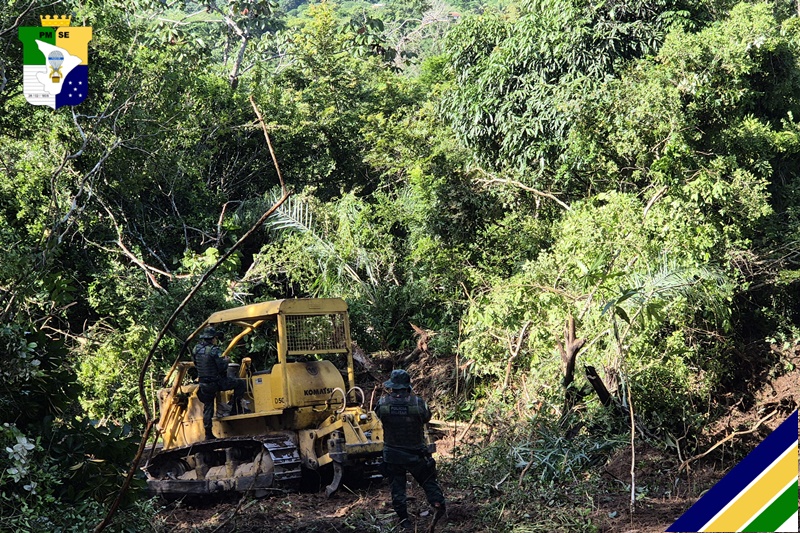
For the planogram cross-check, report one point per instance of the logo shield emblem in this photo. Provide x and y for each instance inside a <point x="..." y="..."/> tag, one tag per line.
<point x="55" y="62"/>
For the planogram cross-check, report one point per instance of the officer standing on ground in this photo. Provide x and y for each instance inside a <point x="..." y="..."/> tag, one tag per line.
<point x="404" y="416"/>
<point x="212" y="371"/>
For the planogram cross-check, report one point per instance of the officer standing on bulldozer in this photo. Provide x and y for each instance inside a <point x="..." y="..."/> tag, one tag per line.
<point x="212" y="371"/>
<point x="404" y="416"/>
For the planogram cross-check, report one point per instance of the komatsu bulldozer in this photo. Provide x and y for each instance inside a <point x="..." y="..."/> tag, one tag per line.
<point x="303" y="412"/>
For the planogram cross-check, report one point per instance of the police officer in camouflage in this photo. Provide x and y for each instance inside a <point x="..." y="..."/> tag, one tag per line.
<point x="404" y="416"/>
<point x="212" y="371"/>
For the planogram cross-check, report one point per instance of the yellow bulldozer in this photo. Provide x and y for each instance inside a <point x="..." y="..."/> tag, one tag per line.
<point x="304" y="412"/>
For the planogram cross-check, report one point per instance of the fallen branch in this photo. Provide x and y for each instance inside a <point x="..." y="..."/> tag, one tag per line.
<point x="524" y="187"/>
<point x="653" y="200"/>
<point x="599" y="387"/>
<point x="685" y="464"/>
<point x="471" y="422"/>
<point x="524" y="471"/>
<point x="422" y="342"/>
<point x="513" y="350"/>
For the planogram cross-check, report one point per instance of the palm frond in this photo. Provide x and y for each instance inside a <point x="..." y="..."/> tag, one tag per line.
<point x="669" y="280"/>
<point x="295" y="214"/>
<point x="663" y="283"/>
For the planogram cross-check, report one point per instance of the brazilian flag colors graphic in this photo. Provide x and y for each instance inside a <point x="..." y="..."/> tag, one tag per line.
<point x="760" y="494"/>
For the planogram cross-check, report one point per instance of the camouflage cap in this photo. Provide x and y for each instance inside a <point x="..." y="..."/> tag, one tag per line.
<point x="399" y="379"/>
<point x="210" y="332"/>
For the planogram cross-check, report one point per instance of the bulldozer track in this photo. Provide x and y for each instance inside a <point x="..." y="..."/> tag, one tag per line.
<point x="237" y="463"/>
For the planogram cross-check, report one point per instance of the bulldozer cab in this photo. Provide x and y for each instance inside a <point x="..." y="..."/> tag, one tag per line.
<point x="305" y="372"/>
<point x="303" y="355"/>
<point x="311" y="338"/>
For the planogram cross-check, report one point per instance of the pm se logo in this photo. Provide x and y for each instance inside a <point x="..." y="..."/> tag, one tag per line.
<point x="55" y="62"/>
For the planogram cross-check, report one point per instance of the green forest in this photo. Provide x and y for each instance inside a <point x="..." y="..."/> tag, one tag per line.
<point x="519" y="180"/>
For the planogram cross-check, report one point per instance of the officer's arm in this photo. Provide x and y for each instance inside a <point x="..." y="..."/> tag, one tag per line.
<point x="424" y="410"/>
<point x="378" y="408"/>
<point x="222" y="363"/>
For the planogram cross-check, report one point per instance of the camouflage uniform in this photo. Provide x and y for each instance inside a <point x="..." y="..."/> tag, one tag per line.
<point x="404" y="416"/>
<point x="212" y="373"/>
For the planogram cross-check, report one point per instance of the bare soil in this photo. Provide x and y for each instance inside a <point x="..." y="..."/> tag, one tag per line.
<point x="666" y="484"/>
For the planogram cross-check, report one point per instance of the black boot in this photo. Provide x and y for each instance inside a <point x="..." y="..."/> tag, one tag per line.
<point x="237" y="408"/>
<point x="210" y="434"/>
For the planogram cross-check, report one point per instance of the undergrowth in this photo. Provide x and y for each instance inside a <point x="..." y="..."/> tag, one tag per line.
<point x="529" y="477"/>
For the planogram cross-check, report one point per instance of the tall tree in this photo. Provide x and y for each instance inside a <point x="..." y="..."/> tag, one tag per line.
<point x="520" y="81"/>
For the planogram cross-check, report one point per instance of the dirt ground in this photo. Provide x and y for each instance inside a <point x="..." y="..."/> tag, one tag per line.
<point x="666" y="485"/>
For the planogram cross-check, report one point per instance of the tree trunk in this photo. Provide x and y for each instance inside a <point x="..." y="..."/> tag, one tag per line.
<point x="599" y="387"/>
<point x="569" y="352"/>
